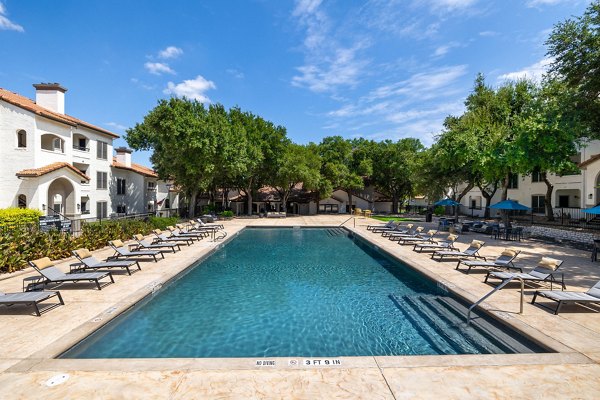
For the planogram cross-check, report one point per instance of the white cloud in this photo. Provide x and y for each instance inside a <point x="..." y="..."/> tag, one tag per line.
<point x="444" y="49"/>
<point x="537" y="3"/>
<point x="157" y="68"/>
<point x="488" y="33"/>
<point x="328" y="64"/>
<point x="170" y="52"/>
<point x="451" y="5"/>
<point x="343" y="69"/>
<point x="115" y="125"/>
<point x="192" y="89"/>
<point x="6" y="24"/>
<point x="235" y="73"/>
<point x="533" y="72"/>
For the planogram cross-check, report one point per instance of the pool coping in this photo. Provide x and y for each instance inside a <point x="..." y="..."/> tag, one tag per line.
<point x="44" y="359"/>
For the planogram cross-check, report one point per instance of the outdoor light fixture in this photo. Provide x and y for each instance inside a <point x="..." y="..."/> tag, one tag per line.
<point x="43" y="207"/>
<point x="78" y="207"/>
<point x="590" y="196"/>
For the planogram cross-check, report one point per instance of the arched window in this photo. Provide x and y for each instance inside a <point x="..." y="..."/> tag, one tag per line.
<point x="21" y="138"/>
<point x="22" y="201"/>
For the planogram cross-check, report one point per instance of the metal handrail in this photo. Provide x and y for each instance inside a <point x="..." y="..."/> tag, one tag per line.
<point x="346" y="221"/>
<point x="497" y="288"/>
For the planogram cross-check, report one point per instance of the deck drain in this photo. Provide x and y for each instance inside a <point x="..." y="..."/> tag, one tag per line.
<point x="111" y="310"/>
<point x="57" y="380"/>
<point x="97" y="319"/>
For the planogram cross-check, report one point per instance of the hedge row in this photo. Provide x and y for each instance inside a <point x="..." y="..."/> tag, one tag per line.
<point x="11" y="218"/>
<point x="23" y="243"/>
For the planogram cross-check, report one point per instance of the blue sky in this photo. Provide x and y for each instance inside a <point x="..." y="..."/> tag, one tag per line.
<point x="380" y="69"/>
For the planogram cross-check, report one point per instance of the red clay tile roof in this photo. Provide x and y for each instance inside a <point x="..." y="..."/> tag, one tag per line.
<point x="589" y="161"/>
<point x="35" y="172"/>
<point x="30" y="105"/>
<point x="140" y="169"/>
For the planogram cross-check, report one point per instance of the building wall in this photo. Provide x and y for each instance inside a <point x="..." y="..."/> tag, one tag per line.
<point x="582" y="190"/>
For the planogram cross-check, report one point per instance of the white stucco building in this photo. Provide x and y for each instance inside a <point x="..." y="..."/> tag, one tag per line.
<point x="581" y="190"/>
<point x="57" y="163"/>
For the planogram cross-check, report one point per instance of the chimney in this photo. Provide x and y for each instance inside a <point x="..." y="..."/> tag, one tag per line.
<point x="124" y="156"/>
<point x="50" y="96"/>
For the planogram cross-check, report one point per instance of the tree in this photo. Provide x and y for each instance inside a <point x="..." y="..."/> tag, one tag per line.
<point x="547" y="137"/>
<point x="574" y="46"/>
<point x="299" y="165"/>
<point x="395" y="168"/>
<point x="177" y="132"/>
<point x="341" y="167"/>
<point x="265" y="143"/>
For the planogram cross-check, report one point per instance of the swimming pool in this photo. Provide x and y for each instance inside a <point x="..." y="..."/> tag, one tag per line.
<point x="283" y="292"/>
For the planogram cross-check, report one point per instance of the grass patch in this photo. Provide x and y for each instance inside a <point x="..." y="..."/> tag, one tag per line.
<point x="386" y="219"/>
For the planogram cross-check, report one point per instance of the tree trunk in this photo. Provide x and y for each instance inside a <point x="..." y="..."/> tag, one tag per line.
<point x="248" y="191"/>
<point x="192" y="206"/>
<point x="284" y="198"/>
<point x="488" y="198"/>
<point x="505" y="183"/>
<point x="394" y="204"/>
<point x="349" y="192"/>
<point x="462" y="194"/>
<point x="548" y="199"/>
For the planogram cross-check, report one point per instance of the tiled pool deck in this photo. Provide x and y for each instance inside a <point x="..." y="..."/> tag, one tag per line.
<point x="28" y="343"/>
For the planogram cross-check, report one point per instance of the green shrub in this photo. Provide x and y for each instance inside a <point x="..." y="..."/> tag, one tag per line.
<point x="15" y="217"/>
<point x="439" y="210"/>
<point x="227" y="214"/>
<point x="162" y="222"/>
<point x="23" y="243"/>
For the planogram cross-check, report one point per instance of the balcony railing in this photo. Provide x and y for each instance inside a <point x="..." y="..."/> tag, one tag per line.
<point x="80" y="148"/>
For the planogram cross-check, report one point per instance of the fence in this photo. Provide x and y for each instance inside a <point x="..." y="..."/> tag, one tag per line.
<point x="562" y="217"/>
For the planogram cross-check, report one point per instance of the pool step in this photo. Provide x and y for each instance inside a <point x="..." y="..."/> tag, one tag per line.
<point x="449" y="331"/>
<point x="336" y="231"/>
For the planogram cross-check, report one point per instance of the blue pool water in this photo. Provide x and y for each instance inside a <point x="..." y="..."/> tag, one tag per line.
<point x="278" y="293"/>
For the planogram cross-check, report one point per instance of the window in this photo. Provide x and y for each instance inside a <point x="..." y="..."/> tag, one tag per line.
<point x="101" y="209"/>
<point x="538" y="176"/>
<point x="102" y="150"/>
<point x="22" y="201"/>
<point x="121" y="185"/>
<point x="58" y="145"/>
<point x="21" y="139"/>
<point x="513" y="181"/>
<point x="538" y="204"/>
<point x="84" y="207"/>
<point x="121" y="209"/>
<point x="151" y="186"/>
<point x="101" y="180"/>
<point x="167" y="203"/>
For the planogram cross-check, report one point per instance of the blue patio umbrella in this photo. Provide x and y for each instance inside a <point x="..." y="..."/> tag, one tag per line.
<point x="447" y="202"/>
<point x="593" y="210"/>
<point x="510" y="205"/>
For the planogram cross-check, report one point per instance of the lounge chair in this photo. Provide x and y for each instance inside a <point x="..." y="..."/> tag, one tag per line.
<point x="446" y="244"/>
<point x="471" y="251"/>
<point x="202" y="224"/>
<point x="169" y="238"/>
<point x="419" y="238"/>
<point x="121" y="251"/>
<point x="181" y="229"/>
<point x="178" y="233"/>
<point x="51" y="274"/>
<point x="393" y="236"/>
<point x="399" y="230"/>
<point x="388" y="224"/>
<point x="145" y="244"/>
<point x="381" y="229"/>
<point x="88" y="261"/>
<point x="505" y="260"/>
<point x="31" y="298"/>
<point x="543" y="272"/>
<point x="592" y="296"/>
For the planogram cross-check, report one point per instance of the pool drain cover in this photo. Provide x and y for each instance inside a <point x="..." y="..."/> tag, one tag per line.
<point x="57" y="380"/>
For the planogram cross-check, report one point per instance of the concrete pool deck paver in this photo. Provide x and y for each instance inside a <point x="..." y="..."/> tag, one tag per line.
<point x="29" y="343"/>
